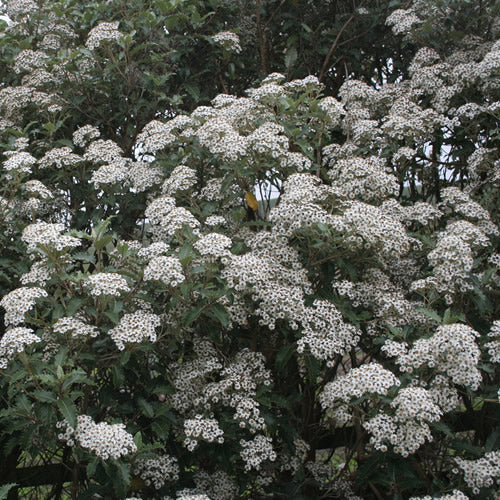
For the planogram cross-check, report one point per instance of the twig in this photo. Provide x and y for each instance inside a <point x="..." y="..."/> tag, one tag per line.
<point x="262" y="49"/>
<point x="274" y="13"/>
<point x="333" y="47"/>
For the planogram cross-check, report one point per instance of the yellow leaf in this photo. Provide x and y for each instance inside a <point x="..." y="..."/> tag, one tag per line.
<point x="252" y="201"/>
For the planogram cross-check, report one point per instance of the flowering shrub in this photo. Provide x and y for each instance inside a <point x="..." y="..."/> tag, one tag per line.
<point x="286" y="290"/>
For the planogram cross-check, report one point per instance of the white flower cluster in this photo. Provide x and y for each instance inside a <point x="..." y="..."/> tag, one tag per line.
<point x="362" y="178"/>
<point x="14" y="99"/>
<point x="407" y="430"/>
<point x="115" y="172"/>
<point x="190" y="494"/>
<point x="29" y="60"/>
<point x="333" y="110"/>
<point x="309" y="84"/>
<point x="17" y="9"/>
<point x="461" y="203"/>
<point x="20" y="163"/>
<point x="455" y="495"/>
<point x="295" y="161"/>
<point x="415" y="403"/>
<point x="75" y="326"/>
<point x="481" y="473"/>
<point x="181" y="179"/>
<point x="200" y="428"/>
<point x="134" y="328"/>
<point x="218" y="485"/>
<point x="326" y="333"/>
<point x="103" y="439"/>
<point x="166" y="219"/>
<point x="159" y="209"/>
<point x="103" y="151"/>
<point x="59" y="158"/>
<point x="215" y="220"/>
<point x="299" y="206"/>
<point x="13" y="341"/>
<point x="402" y="21"/>
<point x="236" y="386"/>
<point x="222" y="139"/>
<point x="38" y="274"/>
<point x="408" y="120"/>
<point x="277" y="301"/>
<point x="142" y="176"/>
<point x="494" y="346"/>
<point x="214" y="244"/>
<point x="228" y="40"/>
<point x="376" y="291"/>
<point x="107" y="284"/>
<point x="157" y="135"/>
<point x="271" y="274"/>
<point x="453" y="259"/>
<point x="85" y="134"/>
<point x="166" y="269"/>
<point x="47" y="235"/>
<point x="247" y="413"/>
<point x="104" y="31"/>
<point x="368" y="227"/>
<point x="37" y="187"/>
<point x="18" y="302"/>
<point x="421" y="212"/>
<point x="153" y="250"/>
<point x="451" y="350"/>
<point x="268" y="139"/>
<point x="190" y="377"/>
<point x="157" y="471"/>
<point x="444" y="393"/>
<point x="257" y="451"/>
<point x="294" y="461"/>
<point x="370" y="378"/>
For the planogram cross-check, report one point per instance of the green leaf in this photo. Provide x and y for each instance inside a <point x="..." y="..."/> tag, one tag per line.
<point x="429" y="313"/>
<point x="464" y="445"/>
<point x="73" y="305"/>
<point x="121" y="481"/>
<point x="138" y="440"/>
<point x="192" y="315"/>
<point x="442" y="427"/>
<point x="161" y="428"/>
<point x="61" y="356"/>
<point x="76" y="377"/>
<point x="193" y="91"/>
<point x="284" y="355"/>
<point x="113" y="316"/>
<point x="290" y="57"/>
<point x="102" y="242"/>
<point x="219" y="311"/>
<point x="84" y="257"/>
<point x="186" y="254"/>
<point x="313" y="366"/>
<point x="124" y="358"/>
<point x="4" y="490"/>
<point x="146" y="408"/>
<point x="68" y="410"/>
<point x="24" y="403"/>
<point x="91" y="467"/>
<point x="45" y="396"/>
<point x="493" y="441"/>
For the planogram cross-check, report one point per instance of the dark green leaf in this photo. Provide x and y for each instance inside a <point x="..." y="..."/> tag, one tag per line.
<point x="68" y="410"/>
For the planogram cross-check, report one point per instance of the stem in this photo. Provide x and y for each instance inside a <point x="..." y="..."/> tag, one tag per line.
<point x="333" y="47"/>
<point x="262" y="47"/>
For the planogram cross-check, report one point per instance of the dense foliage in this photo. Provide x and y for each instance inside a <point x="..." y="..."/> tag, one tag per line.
<point x="249" y="249"/>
